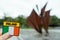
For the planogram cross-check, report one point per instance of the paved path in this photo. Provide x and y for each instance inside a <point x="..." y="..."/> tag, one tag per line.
<point x="30" y="34"/>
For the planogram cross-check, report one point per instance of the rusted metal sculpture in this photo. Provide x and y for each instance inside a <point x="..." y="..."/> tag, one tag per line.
<point x="37" y="22"/>
<point x="45" y="17"/>
<point x="34" y="21"/>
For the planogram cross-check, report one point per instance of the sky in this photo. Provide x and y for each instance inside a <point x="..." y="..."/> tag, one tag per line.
<point x="13" y="8"/>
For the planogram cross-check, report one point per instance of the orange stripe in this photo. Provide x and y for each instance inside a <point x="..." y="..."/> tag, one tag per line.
<point x="16" y="31"/>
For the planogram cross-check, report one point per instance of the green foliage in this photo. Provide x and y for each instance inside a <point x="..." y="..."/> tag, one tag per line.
<point x="54" y="21"/>
<point x="22" y="20"/>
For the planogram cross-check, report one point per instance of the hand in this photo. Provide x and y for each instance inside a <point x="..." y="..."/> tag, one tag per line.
<point x="5" y="36"/>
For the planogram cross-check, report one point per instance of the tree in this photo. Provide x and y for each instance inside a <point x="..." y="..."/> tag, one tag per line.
<point x="54" y="20"/>
<point x="22" y="21"/>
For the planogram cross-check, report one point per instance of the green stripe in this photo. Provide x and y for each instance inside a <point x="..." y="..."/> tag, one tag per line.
<point x="5" y="29"/>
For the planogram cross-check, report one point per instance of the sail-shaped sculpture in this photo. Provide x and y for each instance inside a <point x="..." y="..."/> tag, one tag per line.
<point x="34" y="21"/>
<point x="38" y="21"/>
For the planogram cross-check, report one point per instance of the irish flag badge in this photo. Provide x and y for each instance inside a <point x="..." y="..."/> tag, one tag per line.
<point x="12" y="28"/>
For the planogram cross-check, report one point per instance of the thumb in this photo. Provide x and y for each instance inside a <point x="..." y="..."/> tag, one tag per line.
<point x="0" y="34"/>
<point x="6" y="36"/>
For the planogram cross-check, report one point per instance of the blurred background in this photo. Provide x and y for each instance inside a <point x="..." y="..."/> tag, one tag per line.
<point x="19" y="10"/>
<point x="54" y="21"/>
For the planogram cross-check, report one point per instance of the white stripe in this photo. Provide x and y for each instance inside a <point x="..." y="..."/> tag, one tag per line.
<point x="11" y="30"/>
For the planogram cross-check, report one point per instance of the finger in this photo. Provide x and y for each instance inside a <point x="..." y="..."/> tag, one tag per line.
<point x="9" y="36"/>
<point x="0" y="33"/>
<point x="6" y="36"/>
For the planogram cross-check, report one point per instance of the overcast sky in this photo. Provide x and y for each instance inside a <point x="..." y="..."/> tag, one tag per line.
<point x="14" y="8"/>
